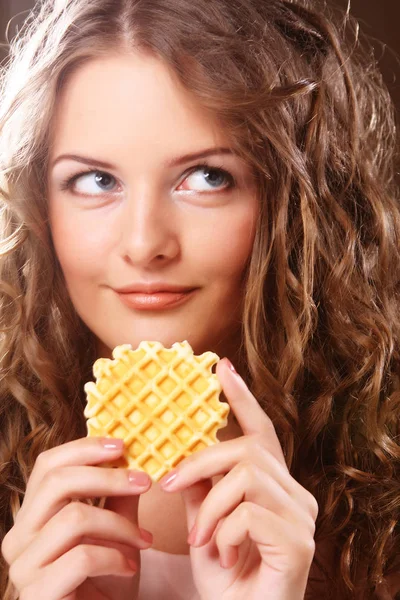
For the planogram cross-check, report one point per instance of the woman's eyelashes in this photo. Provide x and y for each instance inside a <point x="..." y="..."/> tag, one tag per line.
<point x="215" y="178"/>
<point x="202" y="178"/>
<point x="100" y="183"/>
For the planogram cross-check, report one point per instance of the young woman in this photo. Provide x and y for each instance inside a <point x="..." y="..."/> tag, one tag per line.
<point x="220" y="171"/>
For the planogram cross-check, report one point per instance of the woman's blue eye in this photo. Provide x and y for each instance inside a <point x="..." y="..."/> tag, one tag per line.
<point x="103" y="177"/>
<point x="214" y="178"/>
<point x="103" y="182"/>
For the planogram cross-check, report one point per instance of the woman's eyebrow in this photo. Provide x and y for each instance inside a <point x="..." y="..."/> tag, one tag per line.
<point x="174" y="162"/>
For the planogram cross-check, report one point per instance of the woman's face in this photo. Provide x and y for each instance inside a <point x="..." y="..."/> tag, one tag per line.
<point x="154" y="236"/>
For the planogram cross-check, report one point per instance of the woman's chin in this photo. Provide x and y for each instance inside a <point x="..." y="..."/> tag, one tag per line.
<point x="199" y="344"/>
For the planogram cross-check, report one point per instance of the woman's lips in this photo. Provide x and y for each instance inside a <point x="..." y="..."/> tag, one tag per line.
<point x="154" y="301"/>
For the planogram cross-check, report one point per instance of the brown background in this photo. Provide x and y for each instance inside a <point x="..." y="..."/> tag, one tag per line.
<point x="380" y="19"/>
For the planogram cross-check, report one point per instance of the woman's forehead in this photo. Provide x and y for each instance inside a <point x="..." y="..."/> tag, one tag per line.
<point x="130" y="100"/>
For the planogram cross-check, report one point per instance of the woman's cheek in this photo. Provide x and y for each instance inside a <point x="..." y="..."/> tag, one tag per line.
<point x="82" y="242"/>
<point x="225" y="243"/>
<point x="231" y="243"/>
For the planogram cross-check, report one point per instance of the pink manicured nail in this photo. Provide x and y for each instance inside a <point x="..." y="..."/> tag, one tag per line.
<point x="223" y="561"/>
<point x="229" y="558"/>
<point x="192" y="536"/>
<point x="112" y="443"/>
<point x="139" y="478"/>
<point x="230" y="365"/>
<point x="169" y="480"/>
<point x="132" y="564"/>
<point x="146" y="535"/>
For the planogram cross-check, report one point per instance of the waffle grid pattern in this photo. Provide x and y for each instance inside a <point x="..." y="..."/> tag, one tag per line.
<point x="162" y="402"/>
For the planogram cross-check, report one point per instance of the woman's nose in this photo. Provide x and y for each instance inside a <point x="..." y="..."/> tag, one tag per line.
<point x="149" y="230"/>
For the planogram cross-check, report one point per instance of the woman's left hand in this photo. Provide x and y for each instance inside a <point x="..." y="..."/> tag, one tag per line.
<point x="252" y="533"/>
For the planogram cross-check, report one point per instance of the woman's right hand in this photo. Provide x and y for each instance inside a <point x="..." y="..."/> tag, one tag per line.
<point x="59" y="549"/>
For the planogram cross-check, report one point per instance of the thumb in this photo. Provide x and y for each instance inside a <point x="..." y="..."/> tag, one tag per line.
<point x="126" y="506"/>
<point x="115" y="586"/>
<point x="193" y="497"/>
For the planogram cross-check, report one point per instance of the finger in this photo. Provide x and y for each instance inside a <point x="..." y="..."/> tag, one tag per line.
<point x="283" y="547"/>
<point x="193" y="497"/>
<point x="66" y="530"/>
<point x="221" y="458"/>
<point x="67" y="573"/>
<point x="250" y="416"/>
<point x="84" y="451"/>
<point x="224" y="457"/>
<point x="246" y="482"/>
<point x="62" y="484"/>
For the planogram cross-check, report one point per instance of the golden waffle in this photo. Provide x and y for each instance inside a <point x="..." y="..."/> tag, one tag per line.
<point x="164" y="403"/>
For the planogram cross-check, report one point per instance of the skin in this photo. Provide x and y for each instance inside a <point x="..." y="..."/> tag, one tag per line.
<point x="251" y="525"/>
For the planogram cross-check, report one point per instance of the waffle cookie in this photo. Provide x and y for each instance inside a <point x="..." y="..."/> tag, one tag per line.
<point x="163" y="402"/>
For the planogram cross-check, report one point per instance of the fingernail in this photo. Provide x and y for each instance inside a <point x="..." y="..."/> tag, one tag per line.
<point x="139" y="478"/>
<point x="112" y="443"/>
<point x="192" y="536"/>
<point x="146" y="535"/>
<point x="231" y="367"/>
<point x="229" y="558"/>
<point x="169" y="480"/>
<point x="132" y="564"/>
<point x="223" y="561"/>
